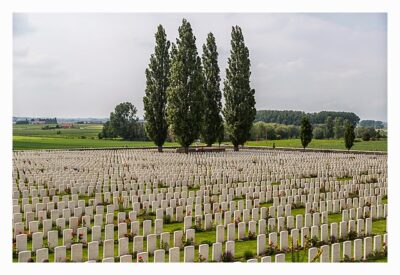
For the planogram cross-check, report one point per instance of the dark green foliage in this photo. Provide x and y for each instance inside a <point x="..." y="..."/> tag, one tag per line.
<point x="366" y="133"/>
<point x="305" y="131"/>
<point x="123" y="120"/>
<point x="377" y="124"/>
<point x="248" y="254"/>
<point x="185" y="92"/>
<point x="329" y="133"/>
<point x="294" y="117"/>
<point x="349" y="135"/>
<point x="212" y="121"/>
<point x="239" y="111"/>
<point x="227" y="257"/>
<point x="210" y="243"/>
<point x="106" y="132"/>
<point x="319" y="132"/>
<point x="338" y="128"/>
<point x="22" y="121"/>
<point x="155" y="99"/>
<point x="366" y="136"/>
<point x="122" y="123"/>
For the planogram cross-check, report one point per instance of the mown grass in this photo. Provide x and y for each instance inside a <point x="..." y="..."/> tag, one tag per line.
<point x="35" y="143"/>
<point x="377" y="145"/>
<point x="80" y="130"/>
<point x="30" y="137"/>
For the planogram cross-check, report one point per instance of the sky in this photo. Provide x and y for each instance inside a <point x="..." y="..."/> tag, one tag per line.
<point x="84" y="64"/>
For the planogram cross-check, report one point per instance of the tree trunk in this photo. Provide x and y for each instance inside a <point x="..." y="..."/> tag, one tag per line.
<point x="160" y="148"/>
<point x="209" y="145"/>
<point x="236" y="148"/>
<point x="186" y="149"/>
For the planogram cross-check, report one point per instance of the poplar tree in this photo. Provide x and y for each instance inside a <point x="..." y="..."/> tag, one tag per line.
<point x="212" y="120"/>
<point x="239" y="110"/>
<point x="305" y="132"/>
<point x="155" y="99"/>
<point x="349" y="135"/>
<point x="185" y="91"/>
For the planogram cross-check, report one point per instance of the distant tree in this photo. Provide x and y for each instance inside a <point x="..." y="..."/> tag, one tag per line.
<point x="155" y="99"/>
<point x="185" y="92"/>
<point x="123" y="121"/>
<point x="212" y="120"/>
<point x="239" y="111"/>
<point x="305" y="132"/>
<point x="329" y="127"/>
<point x="290" y="117"/>
<point x="294" y="131"/>
<point x="271" y="134"/>
<point x="282" y="131"/>
<point x="106" y="132"/>
<point x="377" y="124"/>
<point x="258" y="131"/>
<point x="366" y="136"/>
<point x="366" y="133"/>
<point x="319" y="132"/>
<point x="22" y="121"/>
<point x="349" y="135"/>
<point x="338" y="128"/>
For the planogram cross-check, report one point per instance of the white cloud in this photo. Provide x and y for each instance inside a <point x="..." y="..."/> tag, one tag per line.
<point x="84" y="64"/>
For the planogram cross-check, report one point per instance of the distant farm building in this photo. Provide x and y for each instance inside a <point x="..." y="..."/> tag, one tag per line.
<point x="67" y="125"/>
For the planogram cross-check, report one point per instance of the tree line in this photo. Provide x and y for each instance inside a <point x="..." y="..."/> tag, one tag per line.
<point x="290" y="117"/>
<point x="183" y="94"/>
<point x="306" y="132"/>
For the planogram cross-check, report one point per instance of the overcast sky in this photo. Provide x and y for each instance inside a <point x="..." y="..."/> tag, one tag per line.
<point x="83" y="65"/>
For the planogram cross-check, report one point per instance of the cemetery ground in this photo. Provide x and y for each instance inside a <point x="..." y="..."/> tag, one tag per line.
<point x="32" y="137"/>
<point x="252" y="205"/>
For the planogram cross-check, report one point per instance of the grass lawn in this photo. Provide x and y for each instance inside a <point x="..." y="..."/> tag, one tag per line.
<point x="378" y="145"/>
<point x="30" y="137"/>
<point x="68" y="142"/>
<point x="32" y="143"/>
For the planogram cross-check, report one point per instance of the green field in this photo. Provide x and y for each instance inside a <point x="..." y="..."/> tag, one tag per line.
<point x="378" y="145"/>
<point x="29" y="137"/>
<point x="80" y="130"/>
<point x="31" y="143"/>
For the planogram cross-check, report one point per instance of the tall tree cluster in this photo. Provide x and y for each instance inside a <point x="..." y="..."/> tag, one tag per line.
<point x="157" y="82"/>
<point x="239" y="110"/>
<point x="183" y="91"/>
<point x="185" y="94"/>
<point x="213" y="125"/>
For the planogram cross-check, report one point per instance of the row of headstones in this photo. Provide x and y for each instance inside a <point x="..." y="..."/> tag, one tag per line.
<point x="139" y="189"/>
<point x="216" y="218"/>
<point x="298" y="237"/>
<point x="194" y="178"/>
<point x="166" y="198"/>
<point x="362" y="250"/>
<point x="132" y="184"/>
<point x="37" y="188"/>
<point x="174" y="253"/>
<point x="255" y="158"/>
<point x="36" y="206"/>
<point x="89" y="186"/>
